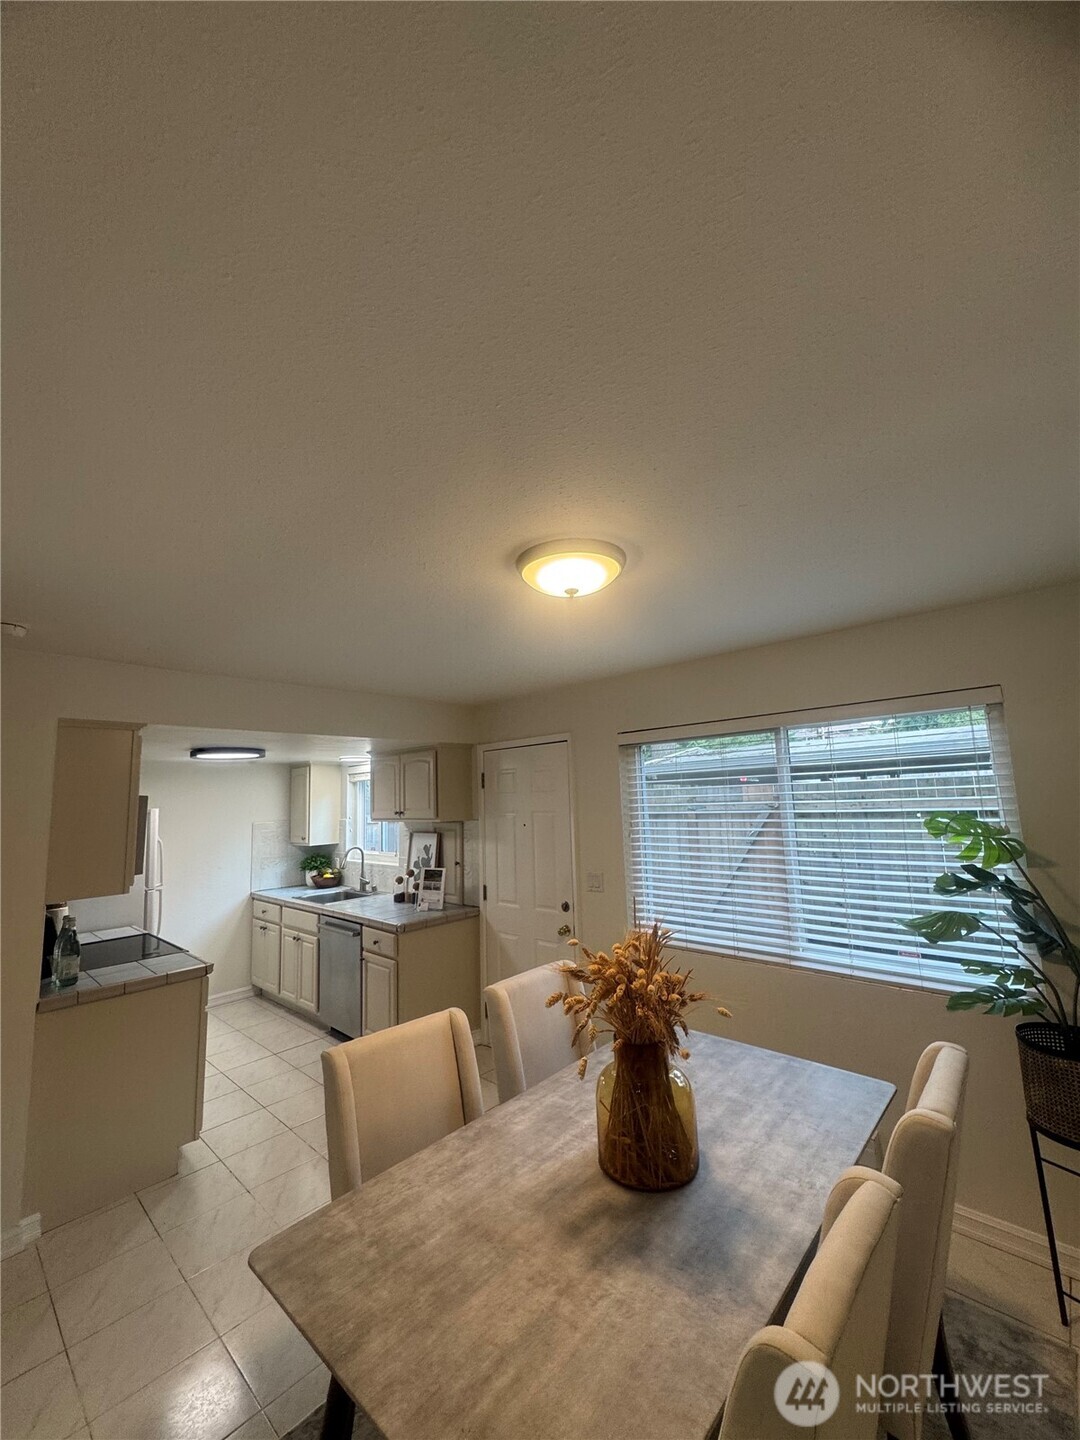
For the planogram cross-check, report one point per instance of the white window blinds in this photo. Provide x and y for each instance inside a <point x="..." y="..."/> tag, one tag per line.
<point x="803" y="842"/>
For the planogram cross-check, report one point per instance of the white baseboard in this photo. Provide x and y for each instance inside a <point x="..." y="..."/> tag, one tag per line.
<point x="20" y="1236"/>
<point x="1013" y="1239"/>
<point x="228" y="996"/>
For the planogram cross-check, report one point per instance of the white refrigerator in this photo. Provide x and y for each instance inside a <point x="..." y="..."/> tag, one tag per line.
<point x="153" y="874"/>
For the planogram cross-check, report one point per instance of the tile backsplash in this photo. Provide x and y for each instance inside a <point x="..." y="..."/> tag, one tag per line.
<point x="275" y="863"/>
<point x="471" y="859"/>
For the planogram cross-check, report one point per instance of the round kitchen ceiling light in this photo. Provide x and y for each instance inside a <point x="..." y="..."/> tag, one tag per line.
<point x="568" y="568"/>
<point x="227" y="752"/>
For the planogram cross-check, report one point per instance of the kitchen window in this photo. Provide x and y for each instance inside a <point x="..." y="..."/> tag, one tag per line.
<point x="799" y="839"/>
<point x="379" y="839"/>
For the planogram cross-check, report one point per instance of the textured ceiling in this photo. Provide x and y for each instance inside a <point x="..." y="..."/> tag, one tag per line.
<point x="316" y="315"/>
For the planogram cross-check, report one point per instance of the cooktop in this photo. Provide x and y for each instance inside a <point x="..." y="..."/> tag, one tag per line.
<point x="126" y="949"/>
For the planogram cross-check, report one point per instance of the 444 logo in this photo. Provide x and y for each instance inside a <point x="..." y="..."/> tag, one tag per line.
<point x="807" y="1393"/>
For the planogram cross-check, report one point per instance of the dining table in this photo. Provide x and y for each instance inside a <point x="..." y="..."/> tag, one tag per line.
<point x="498" y="1286"/>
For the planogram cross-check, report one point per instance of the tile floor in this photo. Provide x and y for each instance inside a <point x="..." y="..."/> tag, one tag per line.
<point x="143" y="1319"/>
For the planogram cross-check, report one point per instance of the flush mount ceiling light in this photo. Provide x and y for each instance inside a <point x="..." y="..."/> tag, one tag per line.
<point x="227" y="752"/>
<point x="567" y="568"/>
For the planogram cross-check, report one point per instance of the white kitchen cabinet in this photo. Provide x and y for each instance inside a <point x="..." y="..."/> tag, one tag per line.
<point x="385" y="785"/>
<point x="419" y="792"/>
<point x="266" y="956"/>
<point x="299" y="969"/>
<point x="93" y="837"/>
<point x="419" y="972"/>
<point x="380" y="993"/>
<point x="289" y="985"/>
<point x="432" y="784"/>
<point x="307" y="992"/>
<point x="315" y="805"/>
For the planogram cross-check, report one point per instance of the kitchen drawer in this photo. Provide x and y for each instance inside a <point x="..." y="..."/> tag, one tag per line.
<point x="304" y="920"/>
<point x="263" y="910"/>
<point x="381" y="942"/>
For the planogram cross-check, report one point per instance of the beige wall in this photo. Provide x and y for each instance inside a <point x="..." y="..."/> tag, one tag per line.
<point x="1027" y="644"/>
<point x="37" y="690"/>
<point x="206" y="817"/>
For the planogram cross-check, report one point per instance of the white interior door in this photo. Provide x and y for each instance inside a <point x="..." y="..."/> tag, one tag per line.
<point x="528" y="857"/>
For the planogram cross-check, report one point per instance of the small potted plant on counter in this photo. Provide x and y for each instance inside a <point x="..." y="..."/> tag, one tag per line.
<point x="320" y="872"/>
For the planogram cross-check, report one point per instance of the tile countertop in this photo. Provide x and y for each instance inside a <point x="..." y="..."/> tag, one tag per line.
<point x="381" y="912"/>
<point x="123" y="980"/>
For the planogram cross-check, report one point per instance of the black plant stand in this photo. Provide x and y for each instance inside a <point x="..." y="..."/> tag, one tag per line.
<point x="1040" y="1161"/>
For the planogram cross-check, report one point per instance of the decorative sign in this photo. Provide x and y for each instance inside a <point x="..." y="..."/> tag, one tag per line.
<point x="432" y="889"/>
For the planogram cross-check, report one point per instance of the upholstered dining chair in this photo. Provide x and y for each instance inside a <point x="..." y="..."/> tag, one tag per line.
<point x="390" y="1094"/>
<point x="530" y="1041"/>
<point x="922" y="1156"/>
<point x="838" y="1319"/>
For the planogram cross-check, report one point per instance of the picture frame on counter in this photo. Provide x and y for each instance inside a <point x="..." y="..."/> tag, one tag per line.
<point x="423" y="850"/>
<point x="432" y="891"/>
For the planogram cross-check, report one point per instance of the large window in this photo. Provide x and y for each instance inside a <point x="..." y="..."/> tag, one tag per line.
<point x="803" y="842"/>
<point x="378" y="838"/>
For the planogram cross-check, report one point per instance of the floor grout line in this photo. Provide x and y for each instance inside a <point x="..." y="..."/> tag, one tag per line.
<point x="219" y="1338"/>
<point x="184" y="1280"/>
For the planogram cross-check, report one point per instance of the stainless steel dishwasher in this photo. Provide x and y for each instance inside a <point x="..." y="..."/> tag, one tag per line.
<point x="341" y="998"/>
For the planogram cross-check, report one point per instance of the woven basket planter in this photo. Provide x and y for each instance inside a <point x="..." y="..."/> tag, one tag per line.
<point x="1050" y="1070"/>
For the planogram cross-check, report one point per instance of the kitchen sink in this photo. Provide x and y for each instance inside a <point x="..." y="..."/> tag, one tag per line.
<point x="331" y="897"/>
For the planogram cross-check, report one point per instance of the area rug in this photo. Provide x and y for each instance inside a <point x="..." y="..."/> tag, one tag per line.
<point x="982" y="1341"/>
<point x="985" y="1342"/>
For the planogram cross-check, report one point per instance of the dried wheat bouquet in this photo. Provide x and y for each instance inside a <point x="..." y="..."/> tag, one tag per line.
<point x="632" y="993"/>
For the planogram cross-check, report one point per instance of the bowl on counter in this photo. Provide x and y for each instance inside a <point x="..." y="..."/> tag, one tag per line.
<point x="326" y="882"/>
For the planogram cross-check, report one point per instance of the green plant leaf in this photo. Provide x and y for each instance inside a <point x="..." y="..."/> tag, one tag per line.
<point x="1006" y="973"/>
<point x="952" y="884"/>
<point x="1009" y="887"/>
<point x="943" y="925"/>
<point x="978" y="839"/>
<point x="965" y="1000"/>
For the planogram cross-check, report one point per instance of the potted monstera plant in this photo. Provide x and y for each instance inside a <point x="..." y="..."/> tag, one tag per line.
<point x="1042" y="981"/>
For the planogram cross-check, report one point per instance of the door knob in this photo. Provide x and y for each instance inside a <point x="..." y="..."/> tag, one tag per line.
<point x="564" y="929"/>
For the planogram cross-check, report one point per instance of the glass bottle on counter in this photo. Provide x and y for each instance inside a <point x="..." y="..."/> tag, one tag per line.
<point x="67" y="955"/>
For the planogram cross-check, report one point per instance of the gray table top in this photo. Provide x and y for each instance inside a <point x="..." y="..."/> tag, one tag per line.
<point x="497" y="1285"/>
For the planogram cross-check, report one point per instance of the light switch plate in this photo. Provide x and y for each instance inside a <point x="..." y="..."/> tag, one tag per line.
<point x="595" y="880"/>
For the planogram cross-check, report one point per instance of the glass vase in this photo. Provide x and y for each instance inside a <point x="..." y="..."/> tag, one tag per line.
<point x="646" y="1122"/>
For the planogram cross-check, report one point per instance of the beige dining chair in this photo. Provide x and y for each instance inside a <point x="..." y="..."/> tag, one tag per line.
<point x="530" y="1041"/>
<point x="391" y="1094"/>
<point x="838" y="1319"/>
<point x="922" y="1156"/>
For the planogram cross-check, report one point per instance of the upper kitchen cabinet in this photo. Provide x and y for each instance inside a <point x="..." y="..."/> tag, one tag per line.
<point x="315" y="805"/>
<point x="433" y="784"/>
<point x="93" y="837"/>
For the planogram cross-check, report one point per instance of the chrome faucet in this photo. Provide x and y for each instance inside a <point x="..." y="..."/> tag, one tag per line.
<point x="363" y="861"/>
